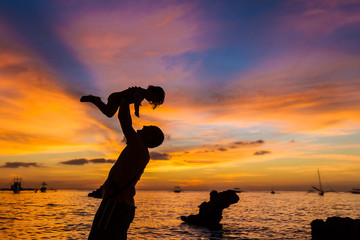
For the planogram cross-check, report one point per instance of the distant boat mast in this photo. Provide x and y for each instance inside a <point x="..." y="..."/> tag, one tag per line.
<point x="320" y="189"/>
<point x="16" y="187"/>
<point x="320" y="180"/>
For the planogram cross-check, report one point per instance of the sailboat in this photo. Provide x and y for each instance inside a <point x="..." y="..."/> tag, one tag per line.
<point x="16" y="187"/>
<point x="177" y="189"/>
<point x="355" y="190"/>
<point x="43" y="187"/>
<point x="320" y="189"/>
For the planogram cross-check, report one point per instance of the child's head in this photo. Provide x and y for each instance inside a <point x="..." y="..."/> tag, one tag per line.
<point x="155" y="95"/>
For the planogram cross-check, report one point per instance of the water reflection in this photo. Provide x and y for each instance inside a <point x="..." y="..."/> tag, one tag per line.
<point x="36" y="216"/>
<point x="258" y="215"/>
<point x="206" y="233"/>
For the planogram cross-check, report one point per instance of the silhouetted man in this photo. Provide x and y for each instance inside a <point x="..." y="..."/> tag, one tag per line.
<point x="117" y="209"/>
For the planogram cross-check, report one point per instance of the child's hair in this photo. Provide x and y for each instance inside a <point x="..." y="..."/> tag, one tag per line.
<point x="159" y="95"/>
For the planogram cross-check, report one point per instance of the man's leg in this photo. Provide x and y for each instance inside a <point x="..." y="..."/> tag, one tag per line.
<point x="120" y="220"/>
<point x="96" y="229"/>
<point x="112" y="220"/>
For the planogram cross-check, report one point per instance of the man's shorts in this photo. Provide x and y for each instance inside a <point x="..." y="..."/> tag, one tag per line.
<point x="112" y="220"/>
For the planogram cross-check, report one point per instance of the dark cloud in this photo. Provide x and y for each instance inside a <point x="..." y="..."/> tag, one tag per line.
<point x="261" y="153"/>
<point x="83" y="161"/>
<point x="225" y="147"/>
<point x="200" y="161"/>
<point x="102" y="160"/>
<point x="80" y="161"/>
<point x="159" y="156"/>
<point x="19" y="164"/>
<point x="260" y="141"/>
<point x="205" y="151"/>
<point x="98" y="160"/>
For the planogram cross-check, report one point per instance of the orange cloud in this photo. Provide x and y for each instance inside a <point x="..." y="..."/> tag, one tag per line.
<point x="38" y="116"/>
<point x="317" y="93"/>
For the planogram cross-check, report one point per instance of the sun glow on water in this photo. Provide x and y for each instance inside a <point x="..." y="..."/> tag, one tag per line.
<point x="258" y="215"/>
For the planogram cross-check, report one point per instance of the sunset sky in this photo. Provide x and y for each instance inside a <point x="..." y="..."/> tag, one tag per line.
<point x="259" y="94"/>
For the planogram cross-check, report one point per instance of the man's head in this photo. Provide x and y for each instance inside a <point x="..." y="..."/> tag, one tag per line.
<point x="151" y="135"/>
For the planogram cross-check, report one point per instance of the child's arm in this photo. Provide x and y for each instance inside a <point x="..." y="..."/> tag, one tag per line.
<point x="138" y="98"/>
<point x="137" y="103"/>
<point x="108" y="109"/>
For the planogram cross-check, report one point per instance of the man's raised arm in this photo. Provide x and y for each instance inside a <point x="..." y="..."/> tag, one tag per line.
<point x="125" y="119"/>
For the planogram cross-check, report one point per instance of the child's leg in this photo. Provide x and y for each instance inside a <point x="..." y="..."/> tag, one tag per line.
<point x="108" y="109"/>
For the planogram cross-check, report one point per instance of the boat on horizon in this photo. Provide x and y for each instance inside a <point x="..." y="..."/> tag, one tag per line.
<point x="43" y="187"/>
<point x="320" y="189"/>
<point x="16" y="186"/>
<point x="355" y="191"/>
<point x="177" y="189"/>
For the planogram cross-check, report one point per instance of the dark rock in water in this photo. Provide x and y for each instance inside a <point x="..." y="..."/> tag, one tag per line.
<point x="210" y="213"/>
<point x="335" y="228"/>
<point x="97" y="193"/>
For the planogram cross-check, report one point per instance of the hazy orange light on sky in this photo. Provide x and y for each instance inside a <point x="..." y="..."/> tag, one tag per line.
<point x="258" y="96"/>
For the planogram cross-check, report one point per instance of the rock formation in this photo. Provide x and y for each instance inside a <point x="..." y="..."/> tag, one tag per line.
<point x="97" y="193"/>
<point x="335" y="228"/>
<point x="210" y="213"/>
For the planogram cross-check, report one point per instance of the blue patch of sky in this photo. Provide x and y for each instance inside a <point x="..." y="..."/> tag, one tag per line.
<point x="214" y="65"/>
<point x="341" y="140"/>
<point x="34" y="23"/>
<point x="233" y="9"/>
<point x="240" y="40"/>
<point x="221" y="65"/>
<point x="352" y="7"/>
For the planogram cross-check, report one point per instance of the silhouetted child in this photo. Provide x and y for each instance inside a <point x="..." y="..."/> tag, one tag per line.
<point x="153" y="94"/>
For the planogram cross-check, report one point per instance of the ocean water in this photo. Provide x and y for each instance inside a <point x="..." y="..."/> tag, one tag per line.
<point x="68" y="214"/>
